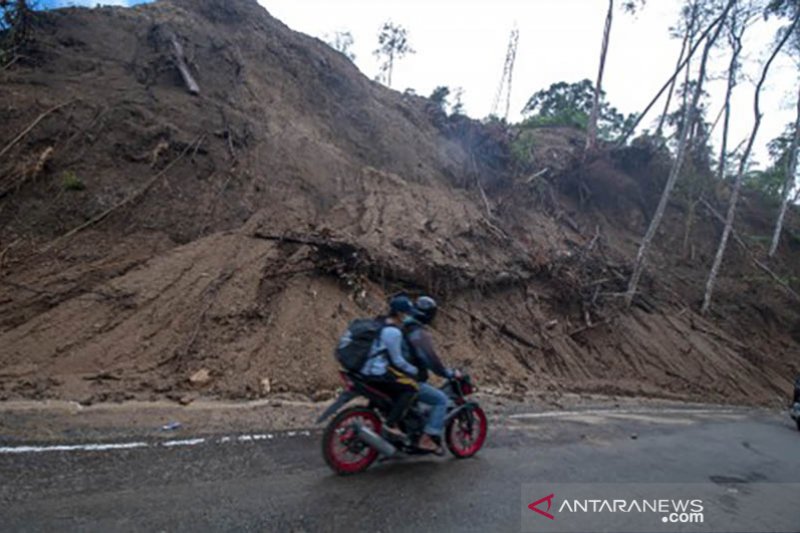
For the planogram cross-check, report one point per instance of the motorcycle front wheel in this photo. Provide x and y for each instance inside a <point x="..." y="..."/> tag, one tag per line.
<point x="466" y="433"/>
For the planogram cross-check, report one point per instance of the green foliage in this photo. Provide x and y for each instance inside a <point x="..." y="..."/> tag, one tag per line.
<point x="522" y="148"/>
<point x="439" y="96"/>
<point x="342" y="41"/>
<point x="788" y="10"/>
<point x="392" y="45"/>
<point x="71" y="182"/>
<point x="16" y="18"/>
<point x="457" y="107"/>
<point x="570" y="104"/>
<point x="684" y="95"/>
<point x="770" y="182"/>
<point x="632" y="6"/>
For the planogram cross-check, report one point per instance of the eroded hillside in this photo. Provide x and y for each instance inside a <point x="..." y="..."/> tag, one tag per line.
<point x="147" y="233"/>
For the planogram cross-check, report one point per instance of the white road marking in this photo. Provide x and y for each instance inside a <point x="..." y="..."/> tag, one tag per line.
<point x="74" y="447"/>
<point x="613" y="412"/>
<point x="100" y="447"/>
<point x="186" y="442"/>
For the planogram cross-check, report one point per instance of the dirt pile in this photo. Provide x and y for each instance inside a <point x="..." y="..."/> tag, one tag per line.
<point x="147" y="234"/>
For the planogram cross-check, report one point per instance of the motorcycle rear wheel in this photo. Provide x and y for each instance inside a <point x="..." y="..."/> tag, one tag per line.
<point x="343" y="452"/>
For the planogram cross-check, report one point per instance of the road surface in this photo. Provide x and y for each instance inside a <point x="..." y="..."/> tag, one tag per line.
<point x="279" y="482"/>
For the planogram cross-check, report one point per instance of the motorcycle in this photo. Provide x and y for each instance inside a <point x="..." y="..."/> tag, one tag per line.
<point x="353" y="440"/>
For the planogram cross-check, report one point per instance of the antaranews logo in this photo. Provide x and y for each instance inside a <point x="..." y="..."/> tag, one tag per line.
<point x="582" y="506"/>
<point x="671" y="510"/>
<point x="535" y="506"/>
<point x="550" y="507"/>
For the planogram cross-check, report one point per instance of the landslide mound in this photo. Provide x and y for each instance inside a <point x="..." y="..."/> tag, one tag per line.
<point x="147" y="233"/>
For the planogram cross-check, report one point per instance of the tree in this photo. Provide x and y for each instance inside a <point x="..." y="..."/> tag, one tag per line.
<point x="787" y="8"/>
<point x="689" y="18"/>
<point x="457" y="107"/>
<point x="591" y="133"/>
<point x="713" y="26"/>
<point x="712" y="276"/>
<point x="771" y="181"/>
<point x="342" y="41"/>
<point x="631" y="6"/>
<point x="439" y="97"/>
<point x="392" y="45"/>
<point x="570" y="104"/>
<point x="736" y="24"/>
<point x="789" y="160"/>
<point x="699" y="128"/>
<point x="696" y="172"/>
<point x="638" y="266"/>
<point x="16" y="17"/>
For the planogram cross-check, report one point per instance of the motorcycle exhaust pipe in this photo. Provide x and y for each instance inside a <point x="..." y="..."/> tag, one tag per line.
<point x="375" y="441"/>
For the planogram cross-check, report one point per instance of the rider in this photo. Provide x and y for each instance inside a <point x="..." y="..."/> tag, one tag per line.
<point x="388" y="369"/>
<point x="426" y="358"/>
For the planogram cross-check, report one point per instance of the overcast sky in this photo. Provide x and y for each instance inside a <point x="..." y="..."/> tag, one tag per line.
<point x="463" y="44"/>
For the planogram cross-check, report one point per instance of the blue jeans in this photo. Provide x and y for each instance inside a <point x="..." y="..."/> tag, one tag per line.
<point x="438" y="401"/>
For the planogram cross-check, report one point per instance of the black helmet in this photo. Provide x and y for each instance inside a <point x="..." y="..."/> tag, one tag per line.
<point x="425" y="309"/>
<point x="400" y="304"/>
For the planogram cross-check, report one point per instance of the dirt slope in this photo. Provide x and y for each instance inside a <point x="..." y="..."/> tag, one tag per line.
<point x="239" y="230"/>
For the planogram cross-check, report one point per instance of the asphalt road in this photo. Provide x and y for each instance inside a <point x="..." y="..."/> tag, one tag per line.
<point x="282" y="483"/>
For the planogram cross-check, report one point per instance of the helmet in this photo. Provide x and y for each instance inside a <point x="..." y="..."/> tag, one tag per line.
<point x="400" y="304"/>
<point x="425" y="309"/>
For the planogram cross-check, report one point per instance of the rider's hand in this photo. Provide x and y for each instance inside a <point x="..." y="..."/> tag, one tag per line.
<point x="456" y="373"/>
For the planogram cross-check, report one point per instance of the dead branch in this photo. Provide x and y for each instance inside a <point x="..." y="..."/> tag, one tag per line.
<point x="537" y="175"/>
<point x="122" y="203"/>
<point x="5" y="251"/>
<point x="502" y="329"/>
<point x="180" y="59"/>
<point x="589" y="326"/>
<point x="19" y="178"/>
<point x="295" y="240"/>
<point x="749" y="253"/>
<point x="197" y="146"/>
<point x="32" y="125"/>
<point x="11" y="62"/>
<point x="483" y="196"/>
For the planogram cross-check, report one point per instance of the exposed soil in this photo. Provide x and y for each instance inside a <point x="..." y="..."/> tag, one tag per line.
<point x="238" y="231"/>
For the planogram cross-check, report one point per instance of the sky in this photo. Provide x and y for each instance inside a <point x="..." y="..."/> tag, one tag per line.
<point x="463" y="44"/>
<point x="52" y="4"/>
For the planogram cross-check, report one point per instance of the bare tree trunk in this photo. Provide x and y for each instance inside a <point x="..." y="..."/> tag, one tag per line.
<point x="687" y="37"/>
<point x="712" y="276"/>
<point x="787" y="186"/>
<point x="180" y="60"/>
<point x="687" y="228"/>
<point x="733" y="68"/>
<point x="638" y="265"/>
<point x="591" y="134"/>
<point x="624" y="137"/>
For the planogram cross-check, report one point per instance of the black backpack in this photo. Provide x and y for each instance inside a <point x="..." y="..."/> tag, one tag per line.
<point x="354" y="346"/>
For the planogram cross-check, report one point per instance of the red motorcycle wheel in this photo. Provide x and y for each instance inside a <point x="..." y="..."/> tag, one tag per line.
<point x="466" y="433"/>
<point x="343" y="452"/>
